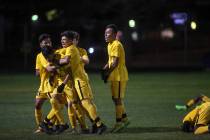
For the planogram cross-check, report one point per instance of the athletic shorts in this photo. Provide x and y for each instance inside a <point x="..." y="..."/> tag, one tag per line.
<point x="118" y="89"/>
<point x="83" y="90"/>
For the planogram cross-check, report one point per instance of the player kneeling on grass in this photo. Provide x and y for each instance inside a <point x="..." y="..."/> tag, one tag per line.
<point x="197" y="120"/>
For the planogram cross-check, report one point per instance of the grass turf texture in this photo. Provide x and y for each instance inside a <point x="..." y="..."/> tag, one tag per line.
<point x="150" y="102"/>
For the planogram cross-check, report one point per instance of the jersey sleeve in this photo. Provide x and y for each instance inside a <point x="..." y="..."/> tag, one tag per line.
<point x="68" y="52"/>
<point x="84" y="54"/>
<point x="38" y="62"/>
<point x="115" y="52"/>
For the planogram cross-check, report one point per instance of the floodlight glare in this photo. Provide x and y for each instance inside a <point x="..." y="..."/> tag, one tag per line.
<point x="34" y="17"/>
<point x="91" y="50"/>
<point x="134" y="36"/>
<point x="193" y="25"/>
<point x="132" y="23"/>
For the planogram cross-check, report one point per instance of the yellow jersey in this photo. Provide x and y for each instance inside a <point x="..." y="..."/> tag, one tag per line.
<point x="41" y="64"/>
<point x="120" y="73"/>
<point x="63" y="70"/>
<point x="82" y="53"/>
<point x="76" y="69"/>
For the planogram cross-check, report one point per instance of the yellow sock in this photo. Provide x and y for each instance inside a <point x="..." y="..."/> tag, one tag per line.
<point x="72" y="117"/>
<point x="201" y="130"/>
<point x="51" y="114"/>
<point x="91" y="109"/>
<point x="38" y="116"/>
<point x="124" y="115"/>
<point x="80" y="115"/>
<point x="119" y="109"/>
<point x="56" y="107"/>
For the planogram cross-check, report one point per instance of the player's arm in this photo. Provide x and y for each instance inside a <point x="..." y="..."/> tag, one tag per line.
<point x="61" y="87"/>
<point x="107" y="70"/>
<point x="64" y="60"/>
<point x="190" y="103"/>
<point x="50" y="68"/>
<point x="113" y="64"/>
<point x="85" y="59"/>
<point x="37" y="72"/>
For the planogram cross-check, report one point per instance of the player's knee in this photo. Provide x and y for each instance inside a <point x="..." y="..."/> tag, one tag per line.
<point x="38" y="104"/>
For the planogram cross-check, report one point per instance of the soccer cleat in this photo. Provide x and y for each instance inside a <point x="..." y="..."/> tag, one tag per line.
<point x="74" y="131"/>
<point x="101" y="129"/>
<point x="117" y="127"/>
<point x="39" y="130"/>
<point x="94" y="129"/>
<point x="126" y="123"/>
<point x="181" y="107"/>
<point x="62" y="128"/>
<point x="45" y="128"/>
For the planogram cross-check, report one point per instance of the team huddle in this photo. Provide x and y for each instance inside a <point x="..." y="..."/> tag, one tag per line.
<point x="65" y="83"/>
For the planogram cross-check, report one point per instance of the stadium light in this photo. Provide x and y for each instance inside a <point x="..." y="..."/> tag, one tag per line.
<point x="91" y="50"/>
<point x="34" y="18"/>
<point x="193" y="25"/>
<point x="132" y="23"/>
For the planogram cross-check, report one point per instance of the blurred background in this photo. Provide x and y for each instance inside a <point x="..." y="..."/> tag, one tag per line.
<point x="157" y="34"/>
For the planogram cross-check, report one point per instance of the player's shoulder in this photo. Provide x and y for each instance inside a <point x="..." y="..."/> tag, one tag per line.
<point x="116" y="44"/>
<point x="39" y="55"/>
<point x="82" y="50"/>
<point x="60" y="50"/>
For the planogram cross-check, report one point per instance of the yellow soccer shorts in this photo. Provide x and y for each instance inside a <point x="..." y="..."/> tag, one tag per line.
<point x="70" y="94"/>
<point x="118" y="89"/>
<point x="83" y="89"/>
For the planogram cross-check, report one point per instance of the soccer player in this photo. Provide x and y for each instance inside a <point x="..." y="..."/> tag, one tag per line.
<point x="80" y="79"/>
<point x="74" y="107"/>
<point x="198" y="119"/>
<point x="84" y="60"/>
<point x="45" y="89"/>
<point x="116" y="73"/>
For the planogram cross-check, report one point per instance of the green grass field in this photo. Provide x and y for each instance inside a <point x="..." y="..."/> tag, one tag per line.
<point x="150" y="101"/>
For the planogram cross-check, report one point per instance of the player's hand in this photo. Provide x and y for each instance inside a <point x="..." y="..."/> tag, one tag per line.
<point x="60" y="88"/>
<point x="104" y="75"/>
<point x="181" y="107"/>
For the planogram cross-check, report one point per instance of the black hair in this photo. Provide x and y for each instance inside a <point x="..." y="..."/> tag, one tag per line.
<point x="43" y="37"/>
<point x="68" y="34"/>
<point x="113" y="27"/>
<point x="76" y="35"/>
